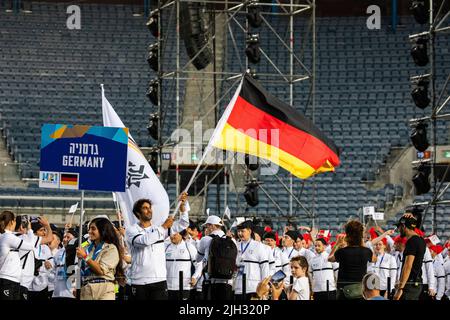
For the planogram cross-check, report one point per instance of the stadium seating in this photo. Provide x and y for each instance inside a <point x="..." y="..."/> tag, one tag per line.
<point x="49" y="74"/>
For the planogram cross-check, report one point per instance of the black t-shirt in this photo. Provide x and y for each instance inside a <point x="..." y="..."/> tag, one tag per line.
<point x="415" y="246"/>
<point x="352" y="263"/>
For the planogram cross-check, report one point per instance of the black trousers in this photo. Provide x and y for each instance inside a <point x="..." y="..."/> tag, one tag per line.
<point x="412" y="291"/>
<point x="23" y="293"/>
<point x="196" y="295"/>
<point x="217" y="291"/>
<point x="175" y="295"/>
<point x="124" y="293"/>
<point x="244" y="297"/>
<point x="424" y="296"/>
<point x="9" y="290"/>
<point x="323" y="295"/>
<point x="151" y="291"/>
<point x="38" y="295"/>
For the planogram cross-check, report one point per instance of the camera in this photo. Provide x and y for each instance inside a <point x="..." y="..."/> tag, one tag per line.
<point x="24" y="221"/>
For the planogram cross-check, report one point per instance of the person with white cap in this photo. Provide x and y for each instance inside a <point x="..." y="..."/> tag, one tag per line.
<point x="214" y="288"/>
<point x="252" y="261"/>
<point x="148" y="273"/>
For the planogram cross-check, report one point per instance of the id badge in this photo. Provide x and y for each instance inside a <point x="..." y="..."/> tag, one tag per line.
<point x="241" y="270"/>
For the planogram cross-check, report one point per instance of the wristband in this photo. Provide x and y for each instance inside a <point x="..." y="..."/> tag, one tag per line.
<point x="86" y="259"/>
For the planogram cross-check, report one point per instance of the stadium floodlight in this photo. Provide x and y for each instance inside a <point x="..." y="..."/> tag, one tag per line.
<point x="252" y="51"/>
<point x="153" y="91"/>
<point x="421" y="179"/>
<point x="419" y="137"/>
<point x="251" y="162"/>
<point x="152" y="23"/>
<point x="254" y="14"/>
<point x="419" y="51"/>
<point x="420" y="10"/>
<point x="153" y="126"/>
<point x="152" y="57"/>
<point x="251" y="193"/>
<point x="420" y="93"/>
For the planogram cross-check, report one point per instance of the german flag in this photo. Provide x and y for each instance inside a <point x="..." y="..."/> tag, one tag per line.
<point x="69" y="179"/>
<point x="261" y="125"/>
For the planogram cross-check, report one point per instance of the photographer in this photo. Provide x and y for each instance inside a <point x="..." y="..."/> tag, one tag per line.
<point x="42" y="254"/>
<point x="10" y="267"/>
<point x="28" y="258"/>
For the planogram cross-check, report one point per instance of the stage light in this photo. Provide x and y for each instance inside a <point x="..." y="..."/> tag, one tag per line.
<point x="153" y="91"/>
<point x="419" y="9"/>
<point x="251" y="193"/>
<point x="252" y="51"/>
<point x="419" y="137"/>
<point x="421" y="179"/>
<point x="420" y="94"/>
<point x="153" y="161"/>
<point x="419" y="51"/>
<point x="254" y="15"/>
<point x="153" y="126"/>
<point x="152" y="23"/>
<point x="152" y="57"/>
<point x="251" y="162"/>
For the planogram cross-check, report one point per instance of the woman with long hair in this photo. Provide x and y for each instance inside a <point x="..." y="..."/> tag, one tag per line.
<point x="10" y="266"/>
<point x="101" y="267"/>
<point x="353" y="259"/>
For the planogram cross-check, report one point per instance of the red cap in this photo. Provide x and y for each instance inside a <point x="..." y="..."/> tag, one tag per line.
<point x="307" y="237"/>
<point x="268" y="229"/>
<point x="399" y="239"/>
<point x="373" y="233"/>
<point x="419" y="232"/>
<point x="437" y="248"/>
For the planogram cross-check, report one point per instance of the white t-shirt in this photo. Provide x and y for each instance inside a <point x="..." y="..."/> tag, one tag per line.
<point x="301" y="286"/>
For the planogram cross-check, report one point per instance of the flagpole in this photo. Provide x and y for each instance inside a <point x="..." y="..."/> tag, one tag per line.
<point x="213" y="138"/>
<point x="80" y="239"/>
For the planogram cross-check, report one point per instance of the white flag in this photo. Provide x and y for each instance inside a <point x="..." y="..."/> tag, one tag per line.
<point x="73" y="208"/>
<point x="142" y="182"/>
<point x="227" y="213"/>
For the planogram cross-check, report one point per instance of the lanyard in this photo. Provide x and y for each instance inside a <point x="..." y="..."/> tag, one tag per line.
<point x="243" y="249"/>
<point x="291" y="252"/>
<point x="97" y="250"/>
<point x="379" y="265"/>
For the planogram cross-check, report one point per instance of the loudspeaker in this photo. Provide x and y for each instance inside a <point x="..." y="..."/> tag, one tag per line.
<point x="193" y="33"/>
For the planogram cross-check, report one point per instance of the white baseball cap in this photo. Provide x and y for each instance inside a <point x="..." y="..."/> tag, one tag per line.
<point x="213" y="220"/>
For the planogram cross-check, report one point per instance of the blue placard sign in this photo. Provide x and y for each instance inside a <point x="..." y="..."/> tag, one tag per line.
<point x="83" y="157"/>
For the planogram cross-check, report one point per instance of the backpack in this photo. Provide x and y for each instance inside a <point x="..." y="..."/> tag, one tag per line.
<point x="222" y="257"/>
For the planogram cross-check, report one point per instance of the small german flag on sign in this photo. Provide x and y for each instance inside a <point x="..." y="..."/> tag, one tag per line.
<point x="261" y="125"/>
<point x="69" y="181"/>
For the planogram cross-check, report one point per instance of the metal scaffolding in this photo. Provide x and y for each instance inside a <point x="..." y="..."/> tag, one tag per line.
<point x="298" y="73"/>
<point x="436" y="28"/>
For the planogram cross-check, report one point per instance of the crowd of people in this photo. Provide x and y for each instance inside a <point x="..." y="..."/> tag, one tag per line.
<point x="180" y="260"/>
